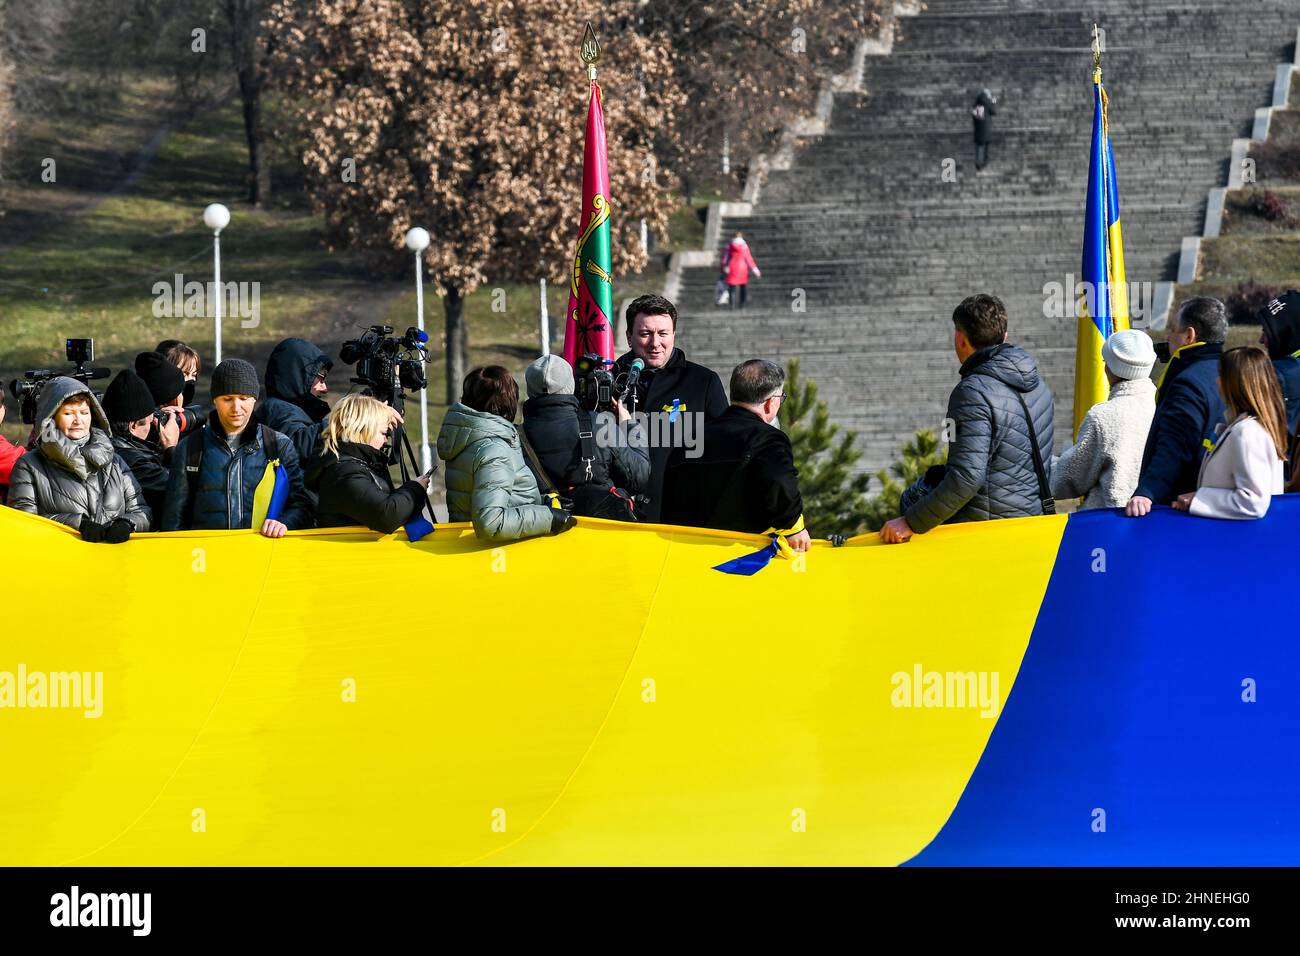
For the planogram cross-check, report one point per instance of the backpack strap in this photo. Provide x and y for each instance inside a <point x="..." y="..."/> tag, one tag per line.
<point x="548" y="486"/>
<point x="1044" y="486"/>
<point x="586" y="437"/>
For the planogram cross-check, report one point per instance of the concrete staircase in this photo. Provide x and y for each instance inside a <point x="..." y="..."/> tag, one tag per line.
<point x="883" y="248"/>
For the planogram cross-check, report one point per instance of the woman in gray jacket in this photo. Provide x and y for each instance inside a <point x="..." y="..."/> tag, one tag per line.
<point x="487" y="480"/>
<point x="74" y="475"/>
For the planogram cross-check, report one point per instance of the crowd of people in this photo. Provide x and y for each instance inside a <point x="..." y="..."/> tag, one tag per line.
<point x="1214" y="436"/>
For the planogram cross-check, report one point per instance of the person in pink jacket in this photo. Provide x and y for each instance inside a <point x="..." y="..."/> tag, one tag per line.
<point x="1242" y="470"/>
<point x="737" y="263"/>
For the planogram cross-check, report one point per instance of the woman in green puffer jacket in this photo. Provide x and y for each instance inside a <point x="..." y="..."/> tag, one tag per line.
<point x="487" y="480"/>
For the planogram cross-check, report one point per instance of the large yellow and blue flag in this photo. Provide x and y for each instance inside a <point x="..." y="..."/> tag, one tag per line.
<point x="1103" y="304"/>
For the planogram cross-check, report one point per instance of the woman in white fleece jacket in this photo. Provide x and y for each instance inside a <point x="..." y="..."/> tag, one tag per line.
<point x="1103" y="466"/>
<point x="1243" y="470"/>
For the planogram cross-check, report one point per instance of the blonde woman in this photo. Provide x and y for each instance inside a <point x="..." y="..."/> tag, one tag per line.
<point x="1243" y="470"/>
<point x="351" y="472"/>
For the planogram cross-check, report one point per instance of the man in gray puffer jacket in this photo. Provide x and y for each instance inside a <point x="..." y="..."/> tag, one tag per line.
<point x="997" y="406"/>
<point x="488" y="482"/>
<point x="74" y="475"/>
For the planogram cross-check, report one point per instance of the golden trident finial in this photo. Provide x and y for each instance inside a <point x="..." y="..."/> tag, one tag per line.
<point x="1096" y="54"/>
<point x="590" y="51"/>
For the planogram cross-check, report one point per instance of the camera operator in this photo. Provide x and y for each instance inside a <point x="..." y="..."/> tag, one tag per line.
<point x="552" y="417"/>
<point x="73" y="474"/>
<point x="294" y="392"/>
<point x="9" y="455"/>
<point x="350" y="474"/>
<point x="668" y="383"/>
<point x="144" y="435"/>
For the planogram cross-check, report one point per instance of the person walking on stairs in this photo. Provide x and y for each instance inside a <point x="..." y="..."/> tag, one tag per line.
<point x="982" y="113"/>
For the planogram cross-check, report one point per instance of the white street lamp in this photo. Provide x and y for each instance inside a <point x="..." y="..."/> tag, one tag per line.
<point x="216" y="217"/>
<point x="417" y="240"/>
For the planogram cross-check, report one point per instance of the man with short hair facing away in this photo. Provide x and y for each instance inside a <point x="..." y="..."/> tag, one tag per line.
<point x="745" y="479"/>
<point x="669" y="385"/>
<point x="1001" y="413"/>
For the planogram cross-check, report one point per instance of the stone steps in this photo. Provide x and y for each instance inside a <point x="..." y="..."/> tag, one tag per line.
<point x="883" y="249"/>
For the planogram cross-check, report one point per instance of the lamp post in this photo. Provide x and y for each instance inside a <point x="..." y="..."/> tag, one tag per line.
<point x="216" y="217"/>
<point x="544" y="319"/>
<point x="417" y="240"/>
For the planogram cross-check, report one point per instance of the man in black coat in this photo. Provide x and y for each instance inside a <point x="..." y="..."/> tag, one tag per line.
<point x="669" y="386"/>
<point x="745" y="478"/>
<point x="294" y="389"/>
<point x="1188" y="405"/>
<point x="143" y="446"/>
<point x="551" y="425"/>
<point x="1279" y="323"/>
<point x="982" y="114"/>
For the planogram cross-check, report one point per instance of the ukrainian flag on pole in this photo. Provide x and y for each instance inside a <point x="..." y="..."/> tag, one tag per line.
<point x="1103" y="306"/>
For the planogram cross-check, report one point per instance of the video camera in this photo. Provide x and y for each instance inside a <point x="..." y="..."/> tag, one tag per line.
<point x="27" y="390"/>
<point x="386" y="365"/>
<point x="594" y="383"/>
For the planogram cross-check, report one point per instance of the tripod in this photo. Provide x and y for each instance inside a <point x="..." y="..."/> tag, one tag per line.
<point x="401" y="453"/>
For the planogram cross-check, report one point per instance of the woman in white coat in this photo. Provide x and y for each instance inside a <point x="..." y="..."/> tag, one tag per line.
<point x="1243" y="470"/>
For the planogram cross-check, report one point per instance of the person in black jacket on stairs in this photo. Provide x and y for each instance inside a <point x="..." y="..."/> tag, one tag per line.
<point x="350" y="474"/>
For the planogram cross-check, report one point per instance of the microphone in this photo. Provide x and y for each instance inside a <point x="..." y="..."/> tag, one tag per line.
<point x="634" y="373"/>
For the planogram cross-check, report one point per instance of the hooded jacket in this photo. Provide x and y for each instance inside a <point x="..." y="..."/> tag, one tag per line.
<point x="1188" y="407"/>
<point x="288" y="405"/>
<point x="9" y="455"/>
<point x="354" y="487"/>
<point x="990" y="471"/>
<point x="487" y="480"/>
<point x="739" y="262"/>
<point x="685" y="385"/>
<point x="227" y="481"/>
<point x="67" y="482"/>
<point x="1283" y="333"/>
<point x="551" y="425"/>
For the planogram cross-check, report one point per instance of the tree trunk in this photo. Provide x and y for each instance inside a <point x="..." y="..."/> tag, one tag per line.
<point x="457" y="351"/>
<point x="243" y="16"/>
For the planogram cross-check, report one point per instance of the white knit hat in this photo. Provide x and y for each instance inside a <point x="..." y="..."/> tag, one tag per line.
<point x="1129" y="354"/>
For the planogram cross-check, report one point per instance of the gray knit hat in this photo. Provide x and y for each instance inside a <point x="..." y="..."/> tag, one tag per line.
<point x="1129" y="354"/>
<point x="234" y="377"/>
<point x="549" y="375"/>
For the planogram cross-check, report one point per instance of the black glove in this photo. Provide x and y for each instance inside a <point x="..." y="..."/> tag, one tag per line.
<point x="92" y="531"/>
<point x="118" y="531"/>
<point x="562" y="521"/>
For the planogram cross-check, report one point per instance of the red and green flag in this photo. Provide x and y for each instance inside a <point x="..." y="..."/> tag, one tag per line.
<point x="589" y="325"/>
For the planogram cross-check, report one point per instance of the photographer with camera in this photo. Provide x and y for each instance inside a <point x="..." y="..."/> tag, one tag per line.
<point x="73" y="475"/>
<point x="487" y="480"/>
<point x="224" y="476"/>
<point x="192" y="415"/>
<point x="668" y="384"/>
<point x="351" y="477"/>
<point x="144" y="435"/>
<point x="600" y="477"/>
<point x="294" y="394"/>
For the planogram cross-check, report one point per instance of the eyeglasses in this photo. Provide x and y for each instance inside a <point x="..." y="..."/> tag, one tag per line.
<point x="780" y="395"/>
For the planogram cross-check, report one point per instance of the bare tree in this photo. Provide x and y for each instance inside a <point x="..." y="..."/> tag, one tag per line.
<point x="250" y="48"/>
<point x="466" y="117"/>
